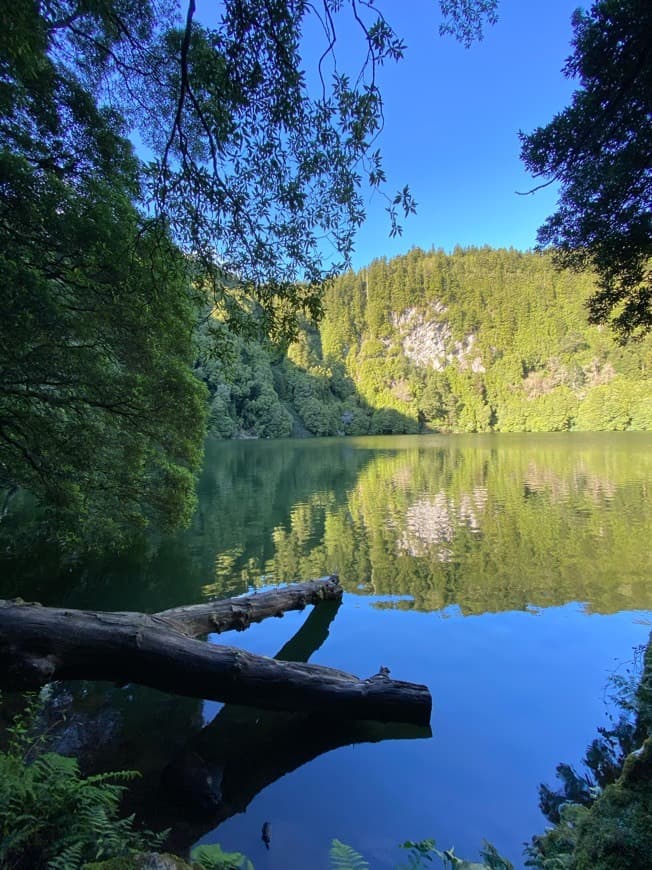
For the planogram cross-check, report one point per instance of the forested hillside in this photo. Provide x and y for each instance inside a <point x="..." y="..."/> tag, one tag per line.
<point x="472" y="341"/>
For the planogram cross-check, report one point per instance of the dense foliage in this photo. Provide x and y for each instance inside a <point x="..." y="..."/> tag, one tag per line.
<point x="600" y="150"/>
<point x="100" y="416"/>
<point x="51" y="816"/>
<point x="474" y="341"/>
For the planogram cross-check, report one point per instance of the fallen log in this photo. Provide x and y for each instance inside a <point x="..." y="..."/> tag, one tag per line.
<point x="40" y="644"/>
<point x="237" y="614"/>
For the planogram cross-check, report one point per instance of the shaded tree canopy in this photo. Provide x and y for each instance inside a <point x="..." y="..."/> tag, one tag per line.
<point x="600" y="150"/>
<point x="100" y="416"/>
<point x="254" y="170"/>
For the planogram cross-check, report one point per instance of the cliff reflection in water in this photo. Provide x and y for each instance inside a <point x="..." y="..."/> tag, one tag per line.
<point x="484" y="523"/>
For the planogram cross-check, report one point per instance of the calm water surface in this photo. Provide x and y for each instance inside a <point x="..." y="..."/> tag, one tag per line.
<point x="509" y="573"/>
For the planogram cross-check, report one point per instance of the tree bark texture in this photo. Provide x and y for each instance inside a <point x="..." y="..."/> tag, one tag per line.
<point x="237" y="614"/>
<point x="41" y="644"/>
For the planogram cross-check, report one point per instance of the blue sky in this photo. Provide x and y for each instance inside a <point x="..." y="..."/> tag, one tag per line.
<point x="452" y="116"/>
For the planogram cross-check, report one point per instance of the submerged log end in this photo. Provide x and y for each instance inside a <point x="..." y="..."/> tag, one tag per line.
<point x="331" y="588"/>
<point x="329" y="692"/>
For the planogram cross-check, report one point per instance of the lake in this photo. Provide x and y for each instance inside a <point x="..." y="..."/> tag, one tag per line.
<point x="510" y="573"/>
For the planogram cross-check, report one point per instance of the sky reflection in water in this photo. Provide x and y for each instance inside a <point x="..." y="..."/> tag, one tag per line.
<point x="514" y="693"/>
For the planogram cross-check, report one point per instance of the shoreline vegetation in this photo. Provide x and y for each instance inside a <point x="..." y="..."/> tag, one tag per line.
<point x="478" y="340"/>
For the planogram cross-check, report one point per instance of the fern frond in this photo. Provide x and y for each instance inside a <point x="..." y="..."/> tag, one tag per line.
<point x="71" y="858"/>
<point x="51" y="766"/>
<point x="344" y="857"/>
<point x="113" y="776"/>
<point x="213" y="857"/>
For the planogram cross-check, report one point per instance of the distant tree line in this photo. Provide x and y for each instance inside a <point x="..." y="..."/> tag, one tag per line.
<point x="474" y="341"/>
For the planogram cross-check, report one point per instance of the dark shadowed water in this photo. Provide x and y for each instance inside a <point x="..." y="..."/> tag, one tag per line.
<point x="509" y="573"/>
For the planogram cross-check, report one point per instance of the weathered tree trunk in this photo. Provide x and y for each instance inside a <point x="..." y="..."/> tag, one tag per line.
<point x="239" y="613"/>
<point x="42" y="644"/>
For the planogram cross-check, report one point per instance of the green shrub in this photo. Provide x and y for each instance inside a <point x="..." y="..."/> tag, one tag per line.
<point x="220" y="422"/>
<point x="606" y="407"/>
<point x="51" y="816"/>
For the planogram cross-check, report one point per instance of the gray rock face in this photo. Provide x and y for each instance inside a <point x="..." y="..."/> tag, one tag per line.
<point x="427" y="340"/>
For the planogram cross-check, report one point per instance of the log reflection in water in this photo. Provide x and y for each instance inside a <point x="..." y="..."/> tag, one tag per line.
<point x="243" y="750"/>
<point x="240" y="753"/>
